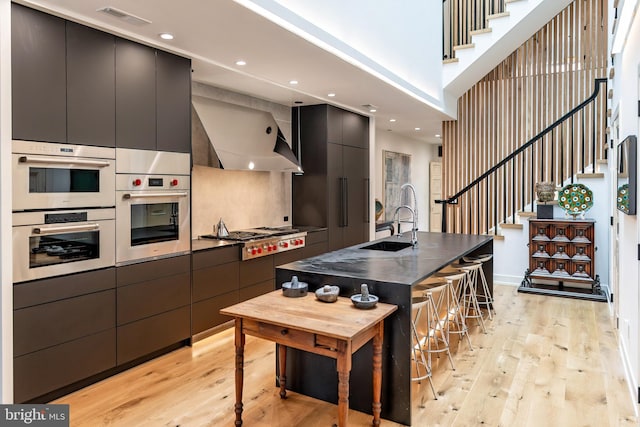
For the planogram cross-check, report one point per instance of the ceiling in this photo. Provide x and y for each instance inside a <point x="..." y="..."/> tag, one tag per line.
<point x="217" y="33"/>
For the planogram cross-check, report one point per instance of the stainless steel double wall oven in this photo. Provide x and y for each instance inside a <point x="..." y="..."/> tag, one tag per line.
<point x="153" y="193"/>
<point x="63" y="209"/>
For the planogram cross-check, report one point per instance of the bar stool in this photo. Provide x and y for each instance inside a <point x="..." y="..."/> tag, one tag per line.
<point x="419" y="309"/>
<point x="485" y="298"/>
<point x="469" y="293"/>
<point x="456" y="315"/>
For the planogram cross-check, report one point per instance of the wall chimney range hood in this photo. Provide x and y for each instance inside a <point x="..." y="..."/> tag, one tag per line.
<point x="244" y="138"/>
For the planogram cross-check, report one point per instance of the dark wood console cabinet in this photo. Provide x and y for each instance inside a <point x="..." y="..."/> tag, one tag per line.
<point x="562" y="259"/>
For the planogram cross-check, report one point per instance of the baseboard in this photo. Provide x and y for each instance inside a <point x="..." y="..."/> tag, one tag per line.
<point x="628" y="373"/>
<point x="503" y="279"/>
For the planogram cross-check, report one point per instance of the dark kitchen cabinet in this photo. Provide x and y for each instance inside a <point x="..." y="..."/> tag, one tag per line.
<point x="91" y="93"/>
<point x="135" y="95"/>
<point x="64" y="332"/>
<point x="153" y="99"/>
<point x="153" y="306"/>
<point x="334" y="190"/>
<point x="173" y="91"/>
<point x="38" y="76"/>
<point x="216" y="279"/>
<point x="221" y="279"/>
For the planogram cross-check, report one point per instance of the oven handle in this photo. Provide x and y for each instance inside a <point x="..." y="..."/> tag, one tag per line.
<point x="66" y="161"/>
<point x="65" y="228"/>
<point x="151" y="195"/>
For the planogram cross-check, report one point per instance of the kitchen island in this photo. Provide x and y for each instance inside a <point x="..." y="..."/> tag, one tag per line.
<point x="391" y="275"/>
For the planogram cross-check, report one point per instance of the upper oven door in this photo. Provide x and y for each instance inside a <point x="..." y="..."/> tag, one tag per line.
<point x="152" y="224"/>
<point x="62" y="176"/>
<point x="47" y="244"/>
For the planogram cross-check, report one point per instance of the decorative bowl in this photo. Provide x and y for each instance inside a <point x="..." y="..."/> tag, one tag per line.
<point x="364" y="299"/>
<point x="575" y="199"/>
<point x="623" y="198"/>
<point x="379" y="209"/>
<point x="294" y="288"/>
<point x="328" y="293"/>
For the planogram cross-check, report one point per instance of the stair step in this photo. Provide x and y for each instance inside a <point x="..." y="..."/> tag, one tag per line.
<point x="590" y="175"/>
<point x="602" y="162"/>
<point x="450" y="60"/>
<point x="511" y="1"/>
<point x="480" y="31"/>
<point x="552" y="202"/>
<point x="511" y="226"/>
<point x="497" y="236"/>
<point x="498" y="15"/>
<point x="464" y="46"/>
<point x="527" y="214"/>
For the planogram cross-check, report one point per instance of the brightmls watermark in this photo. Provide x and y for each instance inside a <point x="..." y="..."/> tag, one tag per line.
<point x="34" y="415"/>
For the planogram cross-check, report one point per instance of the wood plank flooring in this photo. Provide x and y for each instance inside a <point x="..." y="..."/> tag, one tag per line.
<point x="545" y="361"/>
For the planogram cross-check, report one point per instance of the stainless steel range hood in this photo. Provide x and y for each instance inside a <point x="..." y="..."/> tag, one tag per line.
<point x="244" y="138"/>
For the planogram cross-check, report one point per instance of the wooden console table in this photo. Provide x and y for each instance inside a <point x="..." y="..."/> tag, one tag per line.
<point x="335" y="330"/>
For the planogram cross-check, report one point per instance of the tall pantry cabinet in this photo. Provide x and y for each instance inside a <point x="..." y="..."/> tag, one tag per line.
<point x="333" y="192"/>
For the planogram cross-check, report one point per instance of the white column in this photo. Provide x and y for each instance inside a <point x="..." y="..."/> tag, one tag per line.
<point x="6" y="291"/>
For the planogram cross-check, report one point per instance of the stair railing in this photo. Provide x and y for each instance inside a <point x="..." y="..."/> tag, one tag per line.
<point x="461" y="17"/>
<point x="563" y="149"/>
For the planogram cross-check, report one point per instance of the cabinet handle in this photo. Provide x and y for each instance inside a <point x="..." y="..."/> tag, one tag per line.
<point x="345" y="202"/>
<point x="367" y="200"/>
<point x="64" y="161"/>
<point x="284" y="332"/>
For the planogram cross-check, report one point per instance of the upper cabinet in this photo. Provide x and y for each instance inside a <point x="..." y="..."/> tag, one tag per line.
<point x="75" y="84"/>
<point x="91" y="96"/>
<point x="173" y="92"/>
<point x="38" y="72"/>
<point x="135" y="95"/>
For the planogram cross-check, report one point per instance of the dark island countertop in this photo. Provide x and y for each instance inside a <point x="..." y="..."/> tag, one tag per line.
<point x="406" y="266"/>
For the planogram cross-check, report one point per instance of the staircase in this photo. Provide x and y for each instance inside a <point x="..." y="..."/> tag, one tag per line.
<point x="481" y="33"/>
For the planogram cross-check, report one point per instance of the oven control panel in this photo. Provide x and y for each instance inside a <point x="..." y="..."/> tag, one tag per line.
<point x="262" y="247"/>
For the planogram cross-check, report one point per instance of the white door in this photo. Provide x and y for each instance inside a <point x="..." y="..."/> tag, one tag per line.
<point x="435" y="185"/>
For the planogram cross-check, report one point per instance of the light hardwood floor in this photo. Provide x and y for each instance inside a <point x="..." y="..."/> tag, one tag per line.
<point x="545" y="361"/>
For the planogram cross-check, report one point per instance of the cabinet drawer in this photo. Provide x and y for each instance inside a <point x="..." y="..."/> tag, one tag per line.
<point x="58" y="288"/>
<point x="258" y="289"/>
<point x="47" y="370"/>
<point x="152" y="297"/>
<point x="217" y="280"/>
<point x="206" y="314"/>
<point x="316" y="237"/>
<point x="150" y="270"/>
<point x="54" y="323"/>
<point x="295" y="338"/>
<point x="256" y="270"/>
<point x="143" y="337"/>
<point x="209" y="258"/>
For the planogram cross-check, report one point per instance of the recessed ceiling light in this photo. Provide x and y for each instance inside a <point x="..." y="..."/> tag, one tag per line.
<point x="298" y="102"/>
<point x="417" y="128"/>
<point x="392" y="120"/>
<point x="166" y="36"/>
<point x="240" y="62"/>
<point x="251" y="165"/>
<point x="373" y="110"/>
<point x="437" y="135"/>
<point x="293" y="82"/>
<point x="331" y="95"/>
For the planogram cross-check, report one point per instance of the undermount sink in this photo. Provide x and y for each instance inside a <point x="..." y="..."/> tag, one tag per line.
<point x="388" y="246"/>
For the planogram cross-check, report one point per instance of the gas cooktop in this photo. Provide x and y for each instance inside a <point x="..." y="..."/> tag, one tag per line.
<point x="254" y="233"/>
<point x="263" y="241"/>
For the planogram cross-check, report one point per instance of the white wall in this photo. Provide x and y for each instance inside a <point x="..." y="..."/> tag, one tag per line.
<point x="625" y="102"/>
<point x="6" y="290"/>
<point x="421" y="154"/>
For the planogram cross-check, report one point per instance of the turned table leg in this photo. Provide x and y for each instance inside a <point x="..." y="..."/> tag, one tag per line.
<point x="344" y="369"/>
<point x="239" y="341"/>
<point x="282" y="361"/>
<point x="377" y="373"/>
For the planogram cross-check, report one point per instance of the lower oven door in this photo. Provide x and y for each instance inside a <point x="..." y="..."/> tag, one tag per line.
<point x="54" y="243"/>
<point x="152" y="224"/>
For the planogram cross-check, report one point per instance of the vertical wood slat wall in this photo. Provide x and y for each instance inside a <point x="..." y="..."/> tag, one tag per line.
<point x="543" y="79"/>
